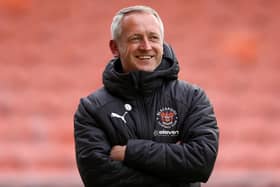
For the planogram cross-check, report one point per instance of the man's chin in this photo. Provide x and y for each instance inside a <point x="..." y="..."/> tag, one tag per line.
<point x="146" y="68"/>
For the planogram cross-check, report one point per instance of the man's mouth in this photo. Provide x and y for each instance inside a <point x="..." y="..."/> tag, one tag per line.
<point x="144" y="57"/>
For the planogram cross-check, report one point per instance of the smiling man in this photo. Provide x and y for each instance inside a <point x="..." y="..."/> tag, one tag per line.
<point x="140" y="45"/>
<point x="144" y="127"/>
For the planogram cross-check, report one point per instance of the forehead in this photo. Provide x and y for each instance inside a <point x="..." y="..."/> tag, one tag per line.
<point x="140" y="22"/>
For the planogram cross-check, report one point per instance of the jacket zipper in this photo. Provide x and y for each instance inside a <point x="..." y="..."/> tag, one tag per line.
<point x="143" y="118"/>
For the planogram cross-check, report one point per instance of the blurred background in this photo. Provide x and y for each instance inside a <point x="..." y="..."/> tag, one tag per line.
<point x="54" y="52"/>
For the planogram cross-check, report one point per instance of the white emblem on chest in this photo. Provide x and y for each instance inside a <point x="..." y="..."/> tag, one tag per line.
<point x="122" y="117"/>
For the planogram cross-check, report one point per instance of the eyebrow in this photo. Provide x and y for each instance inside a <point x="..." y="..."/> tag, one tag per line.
<point x="138" y="34"/>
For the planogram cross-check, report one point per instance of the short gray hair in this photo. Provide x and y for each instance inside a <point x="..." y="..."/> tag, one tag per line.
<point x="116" y="28"/>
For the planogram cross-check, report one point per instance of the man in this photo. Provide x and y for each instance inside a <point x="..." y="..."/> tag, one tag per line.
<point x="144" y="127"/>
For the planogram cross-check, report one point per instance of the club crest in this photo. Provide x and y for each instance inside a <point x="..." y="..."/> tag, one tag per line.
<point x="167" y="117"/>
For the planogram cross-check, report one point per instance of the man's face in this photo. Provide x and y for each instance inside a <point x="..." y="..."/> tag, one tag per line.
<point x="140" y="45"/>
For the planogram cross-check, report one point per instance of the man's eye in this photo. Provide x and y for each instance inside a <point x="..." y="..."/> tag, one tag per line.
<point x="154" y="38"/>
<point x="135" y="38"/>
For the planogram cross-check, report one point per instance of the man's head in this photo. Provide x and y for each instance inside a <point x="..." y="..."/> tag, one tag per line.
<point x="137" y="38"/>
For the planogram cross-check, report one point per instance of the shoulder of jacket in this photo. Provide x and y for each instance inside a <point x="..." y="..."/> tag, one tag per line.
<point x="97" y="98"/>
<point x="185" y="87"/>
<point x="184" y="91"/>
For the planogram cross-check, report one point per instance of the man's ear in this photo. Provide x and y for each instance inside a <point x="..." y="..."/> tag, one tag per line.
<point x="114" y="48"/>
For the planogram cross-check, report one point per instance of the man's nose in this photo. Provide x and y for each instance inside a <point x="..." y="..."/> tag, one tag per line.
<point x="145" y="44"/>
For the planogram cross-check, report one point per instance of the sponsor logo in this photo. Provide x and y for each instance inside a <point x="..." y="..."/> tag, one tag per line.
<point x="167" y="117"/>
<point x="122" y="117"/>
<point x="166" y="133"/>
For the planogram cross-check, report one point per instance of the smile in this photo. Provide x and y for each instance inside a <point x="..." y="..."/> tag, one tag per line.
<point x="144" y="57"/>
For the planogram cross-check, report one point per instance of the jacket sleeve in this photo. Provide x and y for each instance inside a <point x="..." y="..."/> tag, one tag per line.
<point x="190" y="161"/>
<point x="92" y="155"/>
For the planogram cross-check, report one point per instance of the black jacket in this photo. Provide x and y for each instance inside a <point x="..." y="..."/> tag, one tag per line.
<point x="168" y="125"/>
